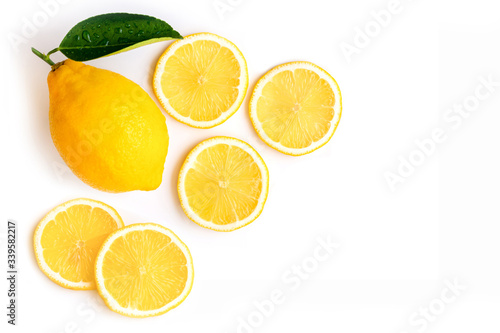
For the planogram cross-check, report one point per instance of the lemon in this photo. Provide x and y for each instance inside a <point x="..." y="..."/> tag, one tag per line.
<point x="143" y="270"/>
<point x="67" y="239"/>
<point x="201" y="80"/>
<point x="223" y="184"/>
<point x="296" y="107"/>
<point x="106" y="128"/>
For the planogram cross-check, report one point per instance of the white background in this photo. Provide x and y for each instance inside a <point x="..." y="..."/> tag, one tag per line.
<point x="397" y="247"/>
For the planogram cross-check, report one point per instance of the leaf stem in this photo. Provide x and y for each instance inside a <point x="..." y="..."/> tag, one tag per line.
<point x="53" y="51"/>
<point x="43" y="56"/>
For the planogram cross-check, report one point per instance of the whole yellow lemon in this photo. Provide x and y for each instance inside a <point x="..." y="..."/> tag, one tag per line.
<point x="107" y="129"/>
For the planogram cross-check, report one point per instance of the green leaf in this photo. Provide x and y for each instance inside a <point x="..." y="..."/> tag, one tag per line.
<point x="108" y="34"/>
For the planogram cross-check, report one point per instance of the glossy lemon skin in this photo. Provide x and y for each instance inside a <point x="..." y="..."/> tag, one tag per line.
<point x="107" y="129"/>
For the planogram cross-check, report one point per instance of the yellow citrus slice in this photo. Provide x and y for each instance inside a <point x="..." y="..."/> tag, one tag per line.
<point x="143" y="270"/>
<point x="223" y="184"/>
<point x="67" y="239"/>
<point x="296" y="107"/>
<point x="201" y="80"/>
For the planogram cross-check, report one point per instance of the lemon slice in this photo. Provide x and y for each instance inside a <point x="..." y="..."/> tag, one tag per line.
<point x="67" y="239"/>
<point x="201" y="80"/>
<point x="296" y="107"/>
<point x="223" y="184"/>
<point x="143" y="270"/>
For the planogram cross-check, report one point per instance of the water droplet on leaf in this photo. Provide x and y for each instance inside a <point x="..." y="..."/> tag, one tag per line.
<point x="105" y="41"/>
<point x="86" y="35"/>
